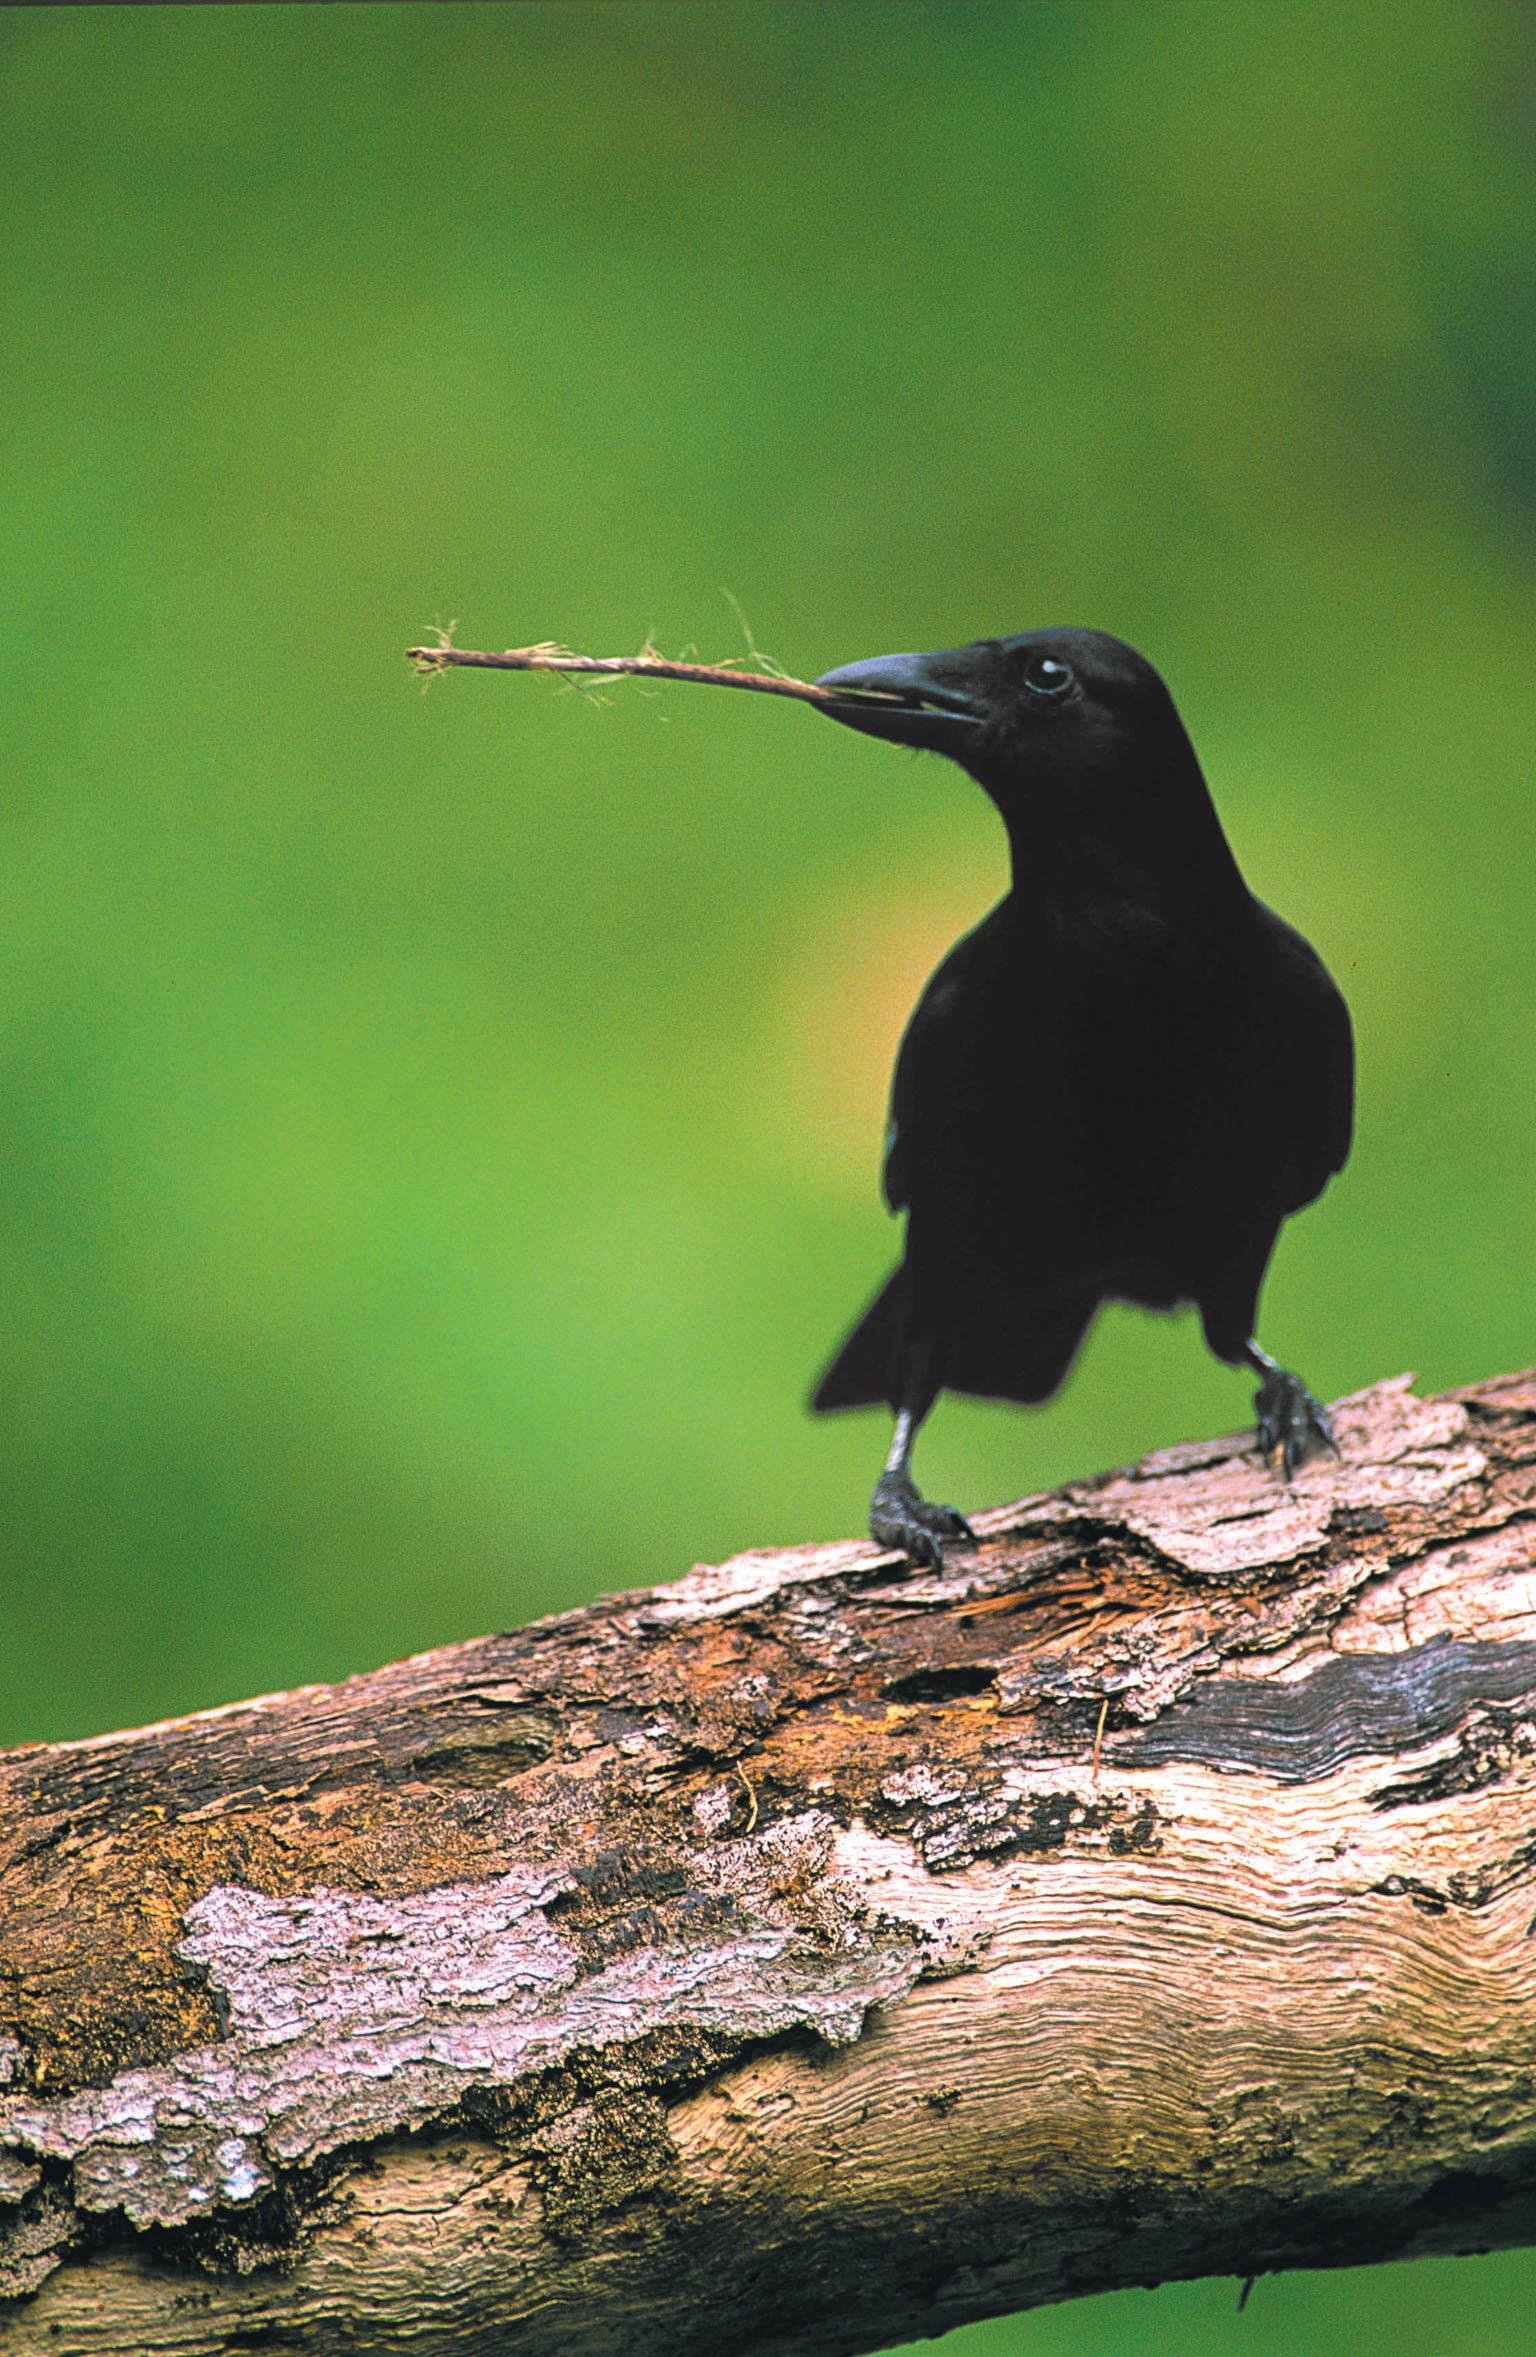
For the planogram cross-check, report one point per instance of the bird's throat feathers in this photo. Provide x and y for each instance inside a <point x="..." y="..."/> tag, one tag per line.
<point x="1117" y="856"/>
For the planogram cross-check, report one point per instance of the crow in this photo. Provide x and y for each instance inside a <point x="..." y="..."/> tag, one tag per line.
<point x="1115" y="1089"/>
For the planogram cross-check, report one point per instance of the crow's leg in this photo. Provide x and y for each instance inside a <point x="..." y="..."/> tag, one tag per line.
<point x="1290" y="1419"/>
<point x="899" y="1514"/>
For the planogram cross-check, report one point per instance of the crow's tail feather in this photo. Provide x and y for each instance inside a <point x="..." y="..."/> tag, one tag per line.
<point x="1012" y="1349"/>
<point x="863" y="1374"/>
<point x="1020" y="1350"/>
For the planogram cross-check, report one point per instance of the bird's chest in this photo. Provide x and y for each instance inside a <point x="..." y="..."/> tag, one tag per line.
<point x="1095" y="1052"/>
<point x="1112" y="1102"/>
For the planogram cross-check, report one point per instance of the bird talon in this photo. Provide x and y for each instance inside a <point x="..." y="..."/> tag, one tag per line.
<point x="901" y="1517"/>
<point x="1292" y="1421"/>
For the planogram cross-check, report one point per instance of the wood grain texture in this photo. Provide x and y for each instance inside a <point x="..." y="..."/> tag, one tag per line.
<point x="762" y="1959"/>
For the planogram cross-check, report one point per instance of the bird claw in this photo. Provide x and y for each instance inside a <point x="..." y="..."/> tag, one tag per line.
<point x="901" y="1517"/>
<point x="1292" y="1421"/>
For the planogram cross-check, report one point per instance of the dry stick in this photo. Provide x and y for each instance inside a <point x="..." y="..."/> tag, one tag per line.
<point x="550" y="658"/>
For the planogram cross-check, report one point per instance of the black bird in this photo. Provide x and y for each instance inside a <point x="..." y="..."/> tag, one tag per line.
<point x="1116" y="1088"/>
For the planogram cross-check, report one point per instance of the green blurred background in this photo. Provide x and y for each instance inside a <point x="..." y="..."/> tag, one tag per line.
<point x="441" y="1129"/>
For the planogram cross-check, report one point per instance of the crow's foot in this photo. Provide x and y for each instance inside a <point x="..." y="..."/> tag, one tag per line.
<point x="1291" y="1420"/>
<point x="900" y="1516"/>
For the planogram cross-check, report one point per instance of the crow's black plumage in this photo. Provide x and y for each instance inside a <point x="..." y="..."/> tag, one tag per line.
<point x="1116" y="1088"/>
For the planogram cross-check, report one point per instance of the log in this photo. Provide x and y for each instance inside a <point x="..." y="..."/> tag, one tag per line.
<point x="813" y="1954"/>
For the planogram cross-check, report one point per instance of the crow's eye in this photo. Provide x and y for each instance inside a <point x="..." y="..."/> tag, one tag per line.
<point x="1047" y="675"/>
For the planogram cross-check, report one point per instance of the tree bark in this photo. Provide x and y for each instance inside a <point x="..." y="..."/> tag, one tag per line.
<point x="813" y="1954"/>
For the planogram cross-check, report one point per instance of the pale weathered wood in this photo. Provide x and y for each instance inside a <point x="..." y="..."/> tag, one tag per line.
<point x="812" y="1955"/>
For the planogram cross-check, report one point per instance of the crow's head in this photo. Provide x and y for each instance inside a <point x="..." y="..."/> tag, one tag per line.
<point x="1071" y="732"/>
<point x="1045" y="701"/>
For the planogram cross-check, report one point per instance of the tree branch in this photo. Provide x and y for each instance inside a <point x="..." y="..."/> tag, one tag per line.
<point x="813" y="1954"/>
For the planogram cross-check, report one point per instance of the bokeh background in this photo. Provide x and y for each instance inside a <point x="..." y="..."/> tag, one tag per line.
<point x="440" y="1129"/>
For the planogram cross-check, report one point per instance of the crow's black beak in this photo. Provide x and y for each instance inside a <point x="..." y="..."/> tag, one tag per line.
<point x="908" y="699"/>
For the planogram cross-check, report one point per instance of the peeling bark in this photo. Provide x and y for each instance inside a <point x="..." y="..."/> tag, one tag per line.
<point x="812" y="1954"/>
